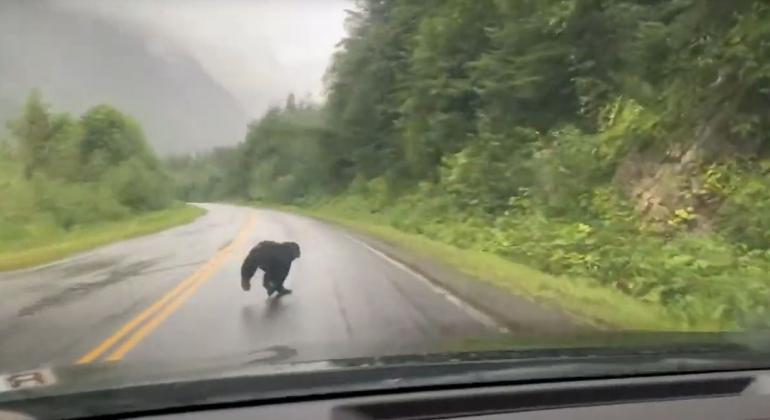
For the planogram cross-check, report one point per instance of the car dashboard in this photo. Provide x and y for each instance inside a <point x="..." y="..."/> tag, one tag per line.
<point x="722" y="396"/>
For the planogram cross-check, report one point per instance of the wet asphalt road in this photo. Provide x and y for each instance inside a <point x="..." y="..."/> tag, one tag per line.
<point x="176" y="295"/>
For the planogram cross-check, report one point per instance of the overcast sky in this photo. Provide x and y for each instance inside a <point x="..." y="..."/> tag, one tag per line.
<point x="260" y="50"/>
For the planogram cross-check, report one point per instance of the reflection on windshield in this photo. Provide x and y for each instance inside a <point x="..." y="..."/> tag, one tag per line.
<point x="192" y="181"/>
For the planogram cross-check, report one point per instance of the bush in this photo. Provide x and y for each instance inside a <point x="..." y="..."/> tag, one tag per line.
<point x="694" y="276"/>
<point x="71" y="205"/>
<point x="62" y="173"/>
<point x="137" y="186"/>
<point x="744" y="215"/>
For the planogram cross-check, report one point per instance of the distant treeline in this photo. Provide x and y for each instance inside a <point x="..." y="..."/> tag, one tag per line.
<point x="620" y="140"/>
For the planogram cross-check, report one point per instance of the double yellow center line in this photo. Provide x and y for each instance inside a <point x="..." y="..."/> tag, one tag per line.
<point x="135" y="330"/>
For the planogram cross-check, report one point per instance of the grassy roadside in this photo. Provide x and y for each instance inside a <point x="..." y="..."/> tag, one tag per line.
<point x="583" y="298"/>
<point x="55" y="247"/>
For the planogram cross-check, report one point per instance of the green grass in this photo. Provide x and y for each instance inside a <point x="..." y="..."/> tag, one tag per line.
<point x="584" y="298"/>
<point x="49" y="248"/>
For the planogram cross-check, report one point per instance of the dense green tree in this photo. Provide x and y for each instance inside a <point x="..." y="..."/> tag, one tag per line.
<point x="281" y="155"/>
<point x="34" y="133"/>
<point x="291" y="103"/>
<point x="77" y="171"/>
<point x="516" y="89"/>
<point x="109" y="138"/>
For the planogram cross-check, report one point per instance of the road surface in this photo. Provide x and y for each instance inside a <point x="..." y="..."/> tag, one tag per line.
<point x="176" y="295"/>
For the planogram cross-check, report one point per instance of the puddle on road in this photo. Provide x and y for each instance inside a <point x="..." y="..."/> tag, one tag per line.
<point x="70" y="267"/>
<point x="79" y="290"/>
<point x="173" y="267"/>
<point x="85" y="267"/>
<point x="197" y="228"/>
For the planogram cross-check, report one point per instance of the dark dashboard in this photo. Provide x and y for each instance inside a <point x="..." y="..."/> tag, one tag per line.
<point x="717" y="396"/>
<point x="704" y="396"/>
<point x="696" y="382"/>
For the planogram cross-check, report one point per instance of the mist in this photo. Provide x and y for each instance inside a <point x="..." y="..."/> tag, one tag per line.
<point x="194" y="73"/>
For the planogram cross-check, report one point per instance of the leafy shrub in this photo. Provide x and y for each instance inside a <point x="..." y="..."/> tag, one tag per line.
<point x="744" y="215"/>
<point x="61" y="173"/>
<point x="71" y="205"/>
<point x="137" y="186"/>
<point x="698" y="277"/>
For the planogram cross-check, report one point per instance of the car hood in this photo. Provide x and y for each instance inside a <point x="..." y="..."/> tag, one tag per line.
<point x="280" y="371"/>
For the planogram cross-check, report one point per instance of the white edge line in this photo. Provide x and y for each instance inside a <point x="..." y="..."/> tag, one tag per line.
<point x="468" y="309"/>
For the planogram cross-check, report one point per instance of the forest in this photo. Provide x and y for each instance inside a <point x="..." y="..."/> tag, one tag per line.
<point x="62" y="175"/>
<point x="620" y="141"/>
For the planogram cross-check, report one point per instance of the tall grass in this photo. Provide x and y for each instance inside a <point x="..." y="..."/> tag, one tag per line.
<point x="46" y="245"/>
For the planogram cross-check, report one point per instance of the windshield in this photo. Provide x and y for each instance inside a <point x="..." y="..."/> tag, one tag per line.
<point x="188" y="186"/>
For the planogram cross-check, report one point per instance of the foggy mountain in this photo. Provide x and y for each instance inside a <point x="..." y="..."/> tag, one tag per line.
<point x="78" y="61"/>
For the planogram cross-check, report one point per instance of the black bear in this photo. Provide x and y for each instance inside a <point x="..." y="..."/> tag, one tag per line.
<point x="275" y="259"/>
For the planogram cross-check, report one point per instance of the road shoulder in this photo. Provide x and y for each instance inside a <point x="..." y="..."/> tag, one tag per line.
<point x="92" y="237"/>
<point x="513" y="312"/>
